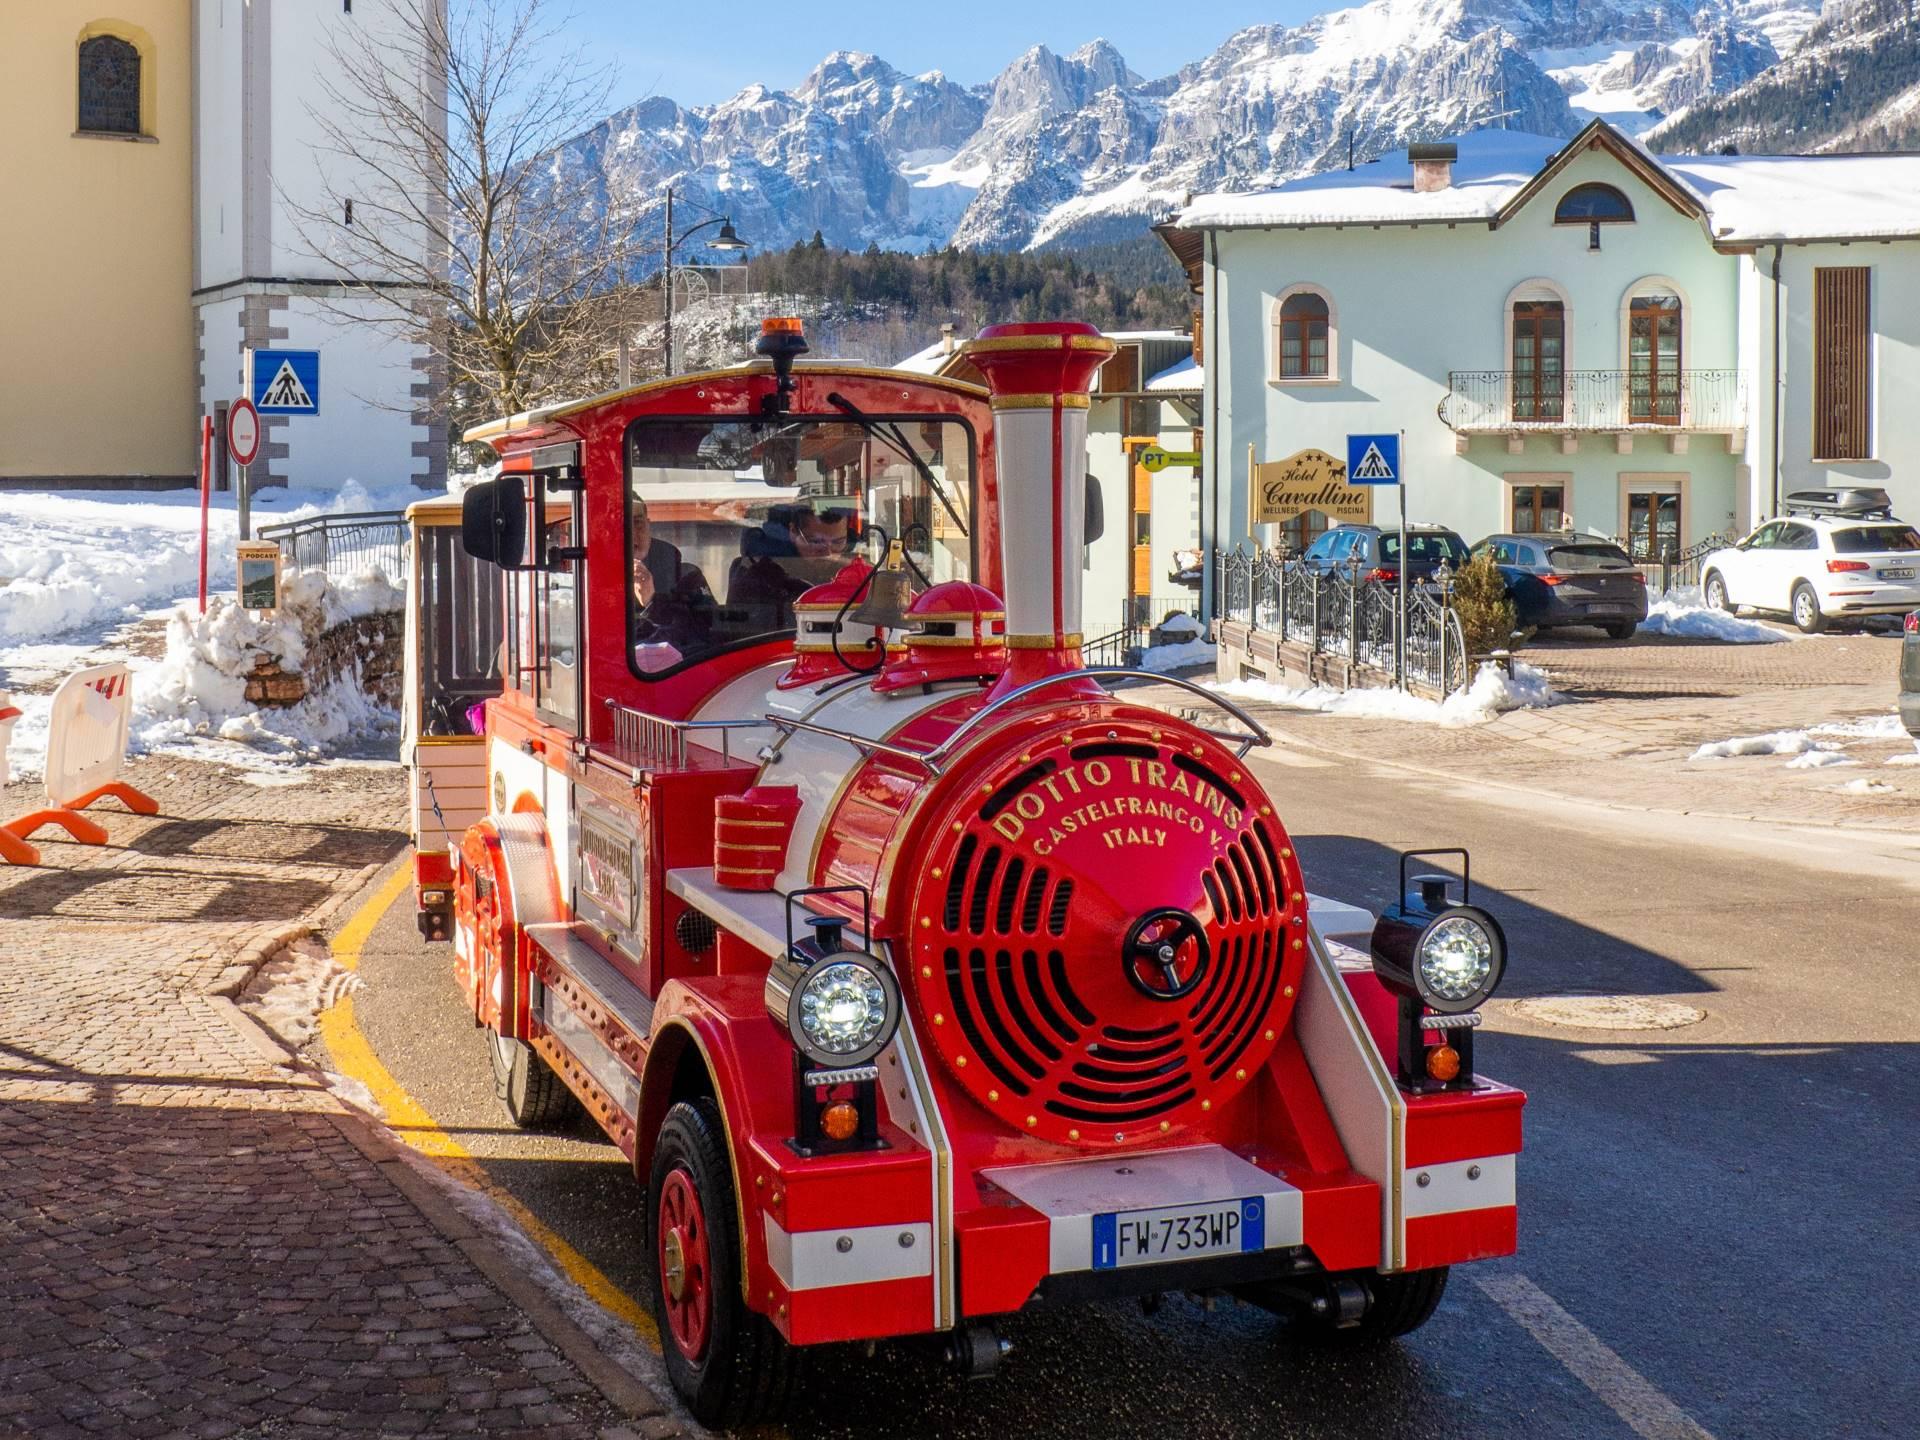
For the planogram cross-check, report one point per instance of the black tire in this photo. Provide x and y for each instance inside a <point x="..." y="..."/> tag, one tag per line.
<point x="1806" y="610"/>
<point x="1400" y="1305"/>
<point x="1622" y="631"/>
<point x="532" y="1095"/>
<point x="1714" y="590"/>
<point x="745" y="1371"/>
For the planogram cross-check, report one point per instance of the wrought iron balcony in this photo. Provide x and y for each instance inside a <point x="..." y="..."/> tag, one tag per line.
<point x="1505" y="402"/>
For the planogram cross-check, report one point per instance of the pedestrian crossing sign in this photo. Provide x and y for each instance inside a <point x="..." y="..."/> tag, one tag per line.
<point x="1373" y="459"/>
<point x="286" y="382"/>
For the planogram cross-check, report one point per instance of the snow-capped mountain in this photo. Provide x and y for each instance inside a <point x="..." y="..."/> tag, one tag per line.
<point x="1852" y="83"/>
<point x="1081" y="148"/>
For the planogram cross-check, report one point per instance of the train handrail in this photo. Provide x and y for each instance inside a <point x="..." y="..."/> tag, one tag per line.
<point x="1254" y="734"/>
<point x="636" y="730"/>
<point x="864" y="744"/>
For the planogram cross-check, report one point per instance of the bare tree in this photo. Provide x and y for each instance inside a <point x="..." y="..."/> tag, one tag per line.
<point x="447" y="203"/>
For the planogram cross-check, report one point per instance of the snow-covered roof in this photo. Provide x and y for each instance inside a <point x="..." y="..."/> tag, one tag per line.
<point x="927" y="361"/>
<point x="1747" y="199"/>
<point x="1492" y="167"/>
<point x="1183" y="379"/>
<point x="1761" y="198"/>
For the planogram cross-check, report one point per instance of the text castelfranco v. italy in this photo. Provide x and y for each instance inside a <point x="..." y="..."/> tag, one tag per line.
<point x="1070" y="801"/>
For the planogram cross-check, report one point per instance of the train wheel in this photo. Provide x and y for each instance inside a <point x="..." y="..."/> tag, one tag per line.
<point x="534" y="1097"/>
<point x="1397" y="1305"/>
<point x="729" y="1365"/>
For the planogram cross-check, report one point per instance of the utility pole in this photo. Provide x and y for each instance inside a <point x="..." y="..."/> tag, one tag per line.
<point x="666" y="289"/>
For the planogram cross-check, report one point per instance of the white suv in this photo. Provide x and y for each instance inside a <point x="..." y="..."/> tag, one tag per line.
<point x="1836" y="553"/>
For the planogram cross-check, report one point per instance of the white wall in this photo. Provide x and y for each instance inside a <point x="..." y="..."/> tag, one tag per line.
<point x="364" y="430"/>
<point x="1895" y="301"/>
<point x="308" y="171"/>
<point x="218" y="121"/>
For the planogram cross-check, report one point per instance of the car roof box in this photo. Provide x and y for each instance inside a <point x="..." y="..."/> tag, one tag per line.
<point x="1854" y="502"/>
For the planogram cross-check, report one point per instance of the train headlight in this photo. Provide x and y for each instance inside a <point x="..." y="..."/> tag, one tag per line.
<point x="840" y="1009"/>
<point x="1459" y="959"/>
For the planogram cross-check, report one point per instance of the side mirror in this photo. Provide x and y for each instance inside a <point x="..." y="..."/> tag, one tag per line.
<point x="493" y="522"/>
<point x="1096" y="511"/>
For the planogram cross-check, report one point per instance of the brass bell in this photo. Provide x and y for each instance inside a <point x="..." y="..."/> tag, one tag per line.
<point x="889" y="593"/>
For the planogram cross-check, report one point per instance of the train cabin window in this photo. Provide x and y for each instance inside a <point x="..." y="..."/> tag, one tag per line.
<point x="730" y="520"/>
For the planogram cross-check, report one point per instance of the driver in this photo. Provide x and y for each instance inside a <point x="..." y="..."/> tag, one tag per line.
<point x="672" y="605"/>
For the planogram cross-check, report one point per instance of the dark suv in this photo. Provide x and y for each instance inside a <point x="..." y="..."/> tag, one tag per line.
<point x="1376" y="548"/>
<point x="1562" y="579"/>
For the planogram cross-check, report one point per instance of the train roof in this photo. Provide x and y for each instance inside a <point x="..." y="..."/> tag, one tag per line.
<point x="547" y="415"/>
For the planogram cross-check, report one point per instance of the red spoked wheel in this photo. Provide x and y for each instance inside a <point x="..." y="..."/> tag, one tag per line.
<point x="727" y="1363"/>
<point x="686" y="1272"/>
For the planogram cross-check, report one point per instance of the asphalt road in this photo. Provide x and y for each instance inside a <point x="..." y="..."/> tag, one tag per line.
<point x="1718" y="1222"/>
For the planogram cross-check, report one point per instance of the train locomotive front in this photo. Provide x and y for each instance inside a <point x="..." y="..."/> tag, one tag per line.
<point x="923" y="975"/>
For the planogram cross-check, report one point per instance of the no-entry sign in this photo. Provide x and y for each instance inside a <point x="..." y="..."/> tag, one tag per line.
<point x="243" y="431"/>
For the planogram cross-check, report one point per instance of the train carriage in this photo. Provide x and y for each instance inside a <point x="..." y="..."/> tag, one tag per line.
<point x="921" y="974"/>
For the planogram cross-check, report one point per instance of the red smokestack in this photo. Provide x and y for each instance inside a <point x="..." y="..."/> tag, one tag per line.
<point x="1040" y="376"/>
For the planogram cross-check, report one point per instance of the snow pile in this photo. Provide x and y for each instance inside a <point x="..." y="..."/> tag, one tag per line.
<point x="291" y="990"/>
<point x="69" y="561"/>
<point x="1868" y="787"/>
<point x="1492" y="692"/>
<point x="1183" y="655"/>
<point x="197" y="693"/>
<point x="1682" y="612"/>
<point x="1814" y="748"/>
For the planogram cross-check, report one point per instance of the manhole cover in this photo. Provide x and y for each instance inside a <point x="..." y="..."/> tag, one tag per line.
<point x="1607" y="1012"/>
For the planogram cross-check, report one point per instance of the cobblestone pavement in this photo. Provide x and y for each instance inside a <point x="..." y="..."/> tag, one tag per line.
<point x="1636" y="713"/>
<point x="195" y="1241"/>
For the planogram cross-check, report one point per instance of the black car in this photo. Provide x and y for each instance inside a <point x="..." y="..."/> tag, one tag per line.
<point x="1376" y="550"/>
<point x="1910" y="676"/>
<point x="1561" y="579"/>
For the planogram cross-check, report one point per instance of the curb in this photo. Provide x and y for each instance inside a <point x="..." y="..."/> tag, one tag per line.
<point x="238" y="973"/>
<point x="624" y="1390"/>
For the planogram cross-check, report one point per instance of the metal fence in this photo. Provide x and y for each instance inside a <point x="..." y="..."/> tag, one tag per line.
<point x="1122" y="645"/>
<point x="1674" y="568"/>
<point x="1338" y="613"/>
<point x="1588" y="400"/>
<point x="344" y="545"/>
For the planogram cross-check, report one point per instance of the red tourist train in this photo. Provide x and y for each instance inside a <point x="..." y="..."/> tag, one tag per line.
<point x="878" y="931"/>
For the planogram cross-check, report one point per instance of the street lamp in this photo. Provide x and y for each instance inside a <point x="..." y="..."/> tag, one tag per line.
<point x="727" y="239"/>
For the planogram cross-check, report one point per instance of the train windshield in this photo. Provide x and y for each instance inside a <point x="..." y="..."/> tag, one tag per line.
<point x="729" y="521"/>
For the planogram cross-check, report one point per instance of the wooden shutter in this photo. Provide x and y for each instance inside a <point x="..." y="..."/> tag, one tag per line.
<point x="1121" y="373"/>
<point x="1842" y="362"/>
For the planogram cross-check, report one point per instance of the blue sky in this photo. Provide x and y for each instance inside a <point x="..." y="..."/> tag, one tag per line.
<point x="698" y="54"/>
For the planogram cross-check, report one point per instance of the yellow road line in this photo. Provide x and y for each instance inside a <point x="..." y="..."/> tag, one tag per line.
<point x="411" y="1122"/>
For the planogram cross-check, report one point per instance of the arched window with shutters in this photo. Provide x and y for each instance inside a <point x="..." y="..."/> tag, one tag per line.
<point x="1304" y="335"/>
<point x="109" y="86"/>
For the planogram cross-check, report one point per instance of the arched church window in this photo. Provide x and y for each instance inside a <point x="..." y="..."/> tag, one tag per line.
<point x="109" y="86"/>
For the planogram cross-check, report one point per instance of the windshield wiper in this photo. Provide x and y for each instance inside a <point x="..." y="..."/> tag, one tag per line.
<point x="890" y="432"/>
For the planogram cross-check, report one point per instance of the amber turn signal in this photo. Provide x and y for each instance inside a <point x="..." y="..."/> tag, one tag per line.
<point x="841" y="1119"/>
<point x="1443" y="1063"/>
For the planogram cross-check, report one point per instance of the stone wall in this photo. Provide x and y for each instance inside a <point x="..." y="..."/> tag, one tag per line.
<point x="369" y="646"/>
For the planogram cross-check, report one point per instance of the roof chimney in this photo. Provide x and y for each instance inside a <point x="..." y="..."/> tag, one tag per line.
<point x="1040" y="375"/>
<point x="1432" y="167"/>
<point x="946" y="337"/>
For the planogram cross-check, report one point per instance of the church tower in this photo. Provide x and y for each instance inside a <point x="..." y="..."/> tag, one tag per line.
<point x="170" y="181"/>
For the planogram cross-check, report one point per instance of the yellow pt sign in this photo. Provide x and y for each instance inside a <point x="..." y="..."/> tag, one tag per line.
<point x="1153" y="459"/>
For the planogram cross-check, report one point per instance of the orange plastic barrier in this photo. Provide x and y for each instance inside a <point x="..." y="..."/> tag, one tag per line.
<point x="86" y="751"/>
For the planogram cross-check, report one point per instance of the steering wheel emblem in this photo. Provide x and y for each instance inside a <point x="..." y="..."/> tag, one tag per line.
<point x="1165" y="954"/>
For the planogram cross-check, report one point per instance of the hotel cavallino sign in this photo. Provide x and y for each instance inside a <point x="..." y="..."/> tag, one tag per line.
<point x="1308" y="480"/>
